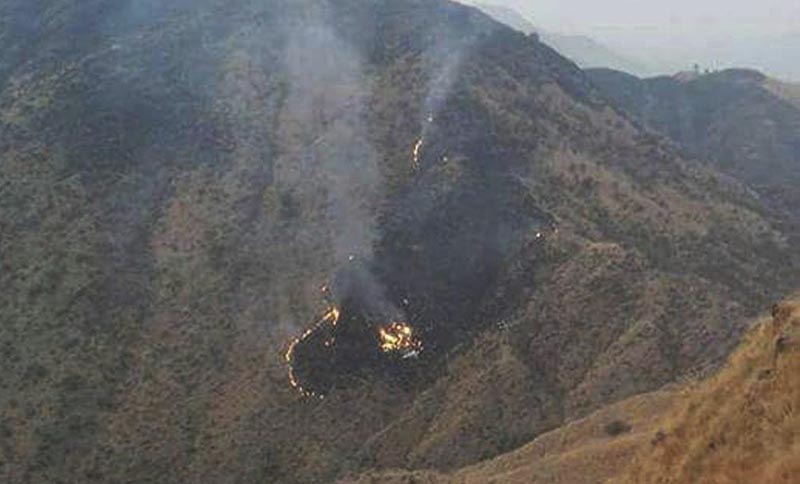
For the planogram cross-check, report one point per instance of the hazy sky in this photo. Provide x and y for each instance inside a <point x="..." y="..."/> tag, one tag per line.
<point x="671" y="35"/>
<point x="689" y="17"/>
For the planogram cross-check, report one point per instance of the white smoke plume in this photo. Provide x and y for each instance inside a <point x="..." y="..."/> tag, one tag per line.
<point x="324" y="115"/>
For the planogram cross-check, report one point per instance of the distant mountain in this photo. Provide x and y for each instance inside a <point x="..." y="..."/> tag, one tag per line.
<point x="667" y="52"/>
<point x="582" y="50"/>
<point x="589" y="53"/>
<point x="508" y="16"/>
<point x="744" y="123"/>
<point x="287" y="241"/>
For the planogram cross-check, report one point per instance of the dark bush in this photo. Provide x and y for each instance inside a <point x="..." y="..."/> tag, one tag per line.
<point x="617" y="427"/>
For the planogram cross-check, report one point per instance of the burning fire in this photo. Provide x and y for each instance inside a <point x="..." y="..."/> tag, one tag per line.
<point x="416" y="153"/>
<point x="331" y="317"/>
<point x="399" y="337"/>
<point x="394" y="338"/>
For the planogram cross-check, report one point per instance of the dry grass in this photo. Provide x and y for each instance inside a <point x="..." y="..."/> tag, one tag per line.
<point x="740" y="426"/>
<point x="580" y="452"/>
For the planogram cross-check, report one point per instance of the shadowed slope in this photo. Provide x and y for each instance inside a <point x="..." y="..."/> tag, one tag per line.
<point x="743" y="123"/>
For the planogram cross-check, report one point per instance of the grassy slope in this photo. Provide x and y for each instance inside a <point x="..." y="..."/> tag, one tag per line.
<point x="740" y="425"/>
<point x="743" y="425"/>
<point x="583" y="451"/>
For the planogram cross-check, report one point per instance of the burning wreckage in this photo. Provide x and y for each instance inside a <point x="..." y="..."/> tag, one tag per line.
<point x="359" y="329"/>
<point x="363" y="330"/>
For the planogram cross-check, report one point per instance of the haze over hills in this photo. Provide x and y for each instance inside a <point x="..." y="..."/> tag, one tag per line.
<point x="198" y="196"/>
<point x="669" y="37"/>
<point x="666" y="53"/>
<point x="581" y="49"/>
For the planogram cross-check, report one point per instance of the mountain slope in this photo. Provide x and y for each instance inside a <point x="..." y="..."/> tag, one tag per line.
<point x="178" y="181"/>
<point x="744" y="123"/>
<point x="739" y="425"/>
<point x="589" y="450"/>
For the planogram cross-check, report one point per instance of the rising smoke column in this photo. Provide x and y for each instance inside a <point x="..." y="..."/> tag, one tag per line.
<point x="333" y="174"/>
<point x="331" y="163"/>
<point x="446" y="59"/>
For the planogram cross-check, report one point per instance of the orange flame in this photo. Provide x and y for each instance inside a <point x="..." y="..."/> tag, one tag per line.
<point x="416" y="153"/>
<point x="398" y="337"/>
<point x="330" y="317"/>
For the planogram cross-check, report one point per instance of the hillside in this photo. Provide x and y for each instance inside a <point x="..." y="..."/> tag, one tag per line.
<point x="744" y="123"/>
<point x="197" y="197"/>
<point x="739" y="425"/>
<point x="589" y="450"/>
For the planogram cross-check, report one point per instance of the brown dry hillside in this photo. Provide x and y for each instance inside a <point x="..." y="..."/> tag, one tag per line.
<point x="589" y="450"/>
<point x="740" y="426"/>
